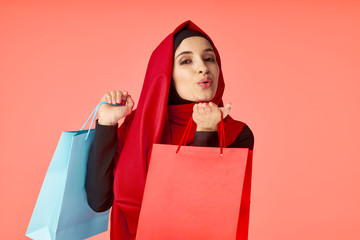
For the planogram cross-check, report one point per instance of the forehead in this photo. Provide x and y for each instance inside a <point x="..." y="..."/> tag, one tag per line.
<point x="194" y="44"/>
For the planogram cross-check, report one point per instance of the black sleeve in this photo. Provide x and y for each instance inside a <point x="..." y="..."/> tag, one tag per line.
<point x="206" y="139"/>
<point x="245" y="139"/>
<point x="99" y="175"/>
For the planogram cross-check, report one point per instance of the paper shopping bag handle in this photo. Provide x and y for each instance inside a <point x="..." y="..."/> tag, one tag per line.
<point x="188" y="128"/>
<point x="93" y="114"/>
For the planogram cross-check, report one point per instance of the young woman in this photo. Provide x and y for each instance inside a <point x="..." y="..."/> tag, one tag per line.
<point x="183" y="79"/>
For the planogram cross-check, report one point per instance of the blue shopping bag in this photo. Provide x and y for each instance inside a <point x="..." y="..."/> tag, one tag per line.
<point x="61" y="211"/>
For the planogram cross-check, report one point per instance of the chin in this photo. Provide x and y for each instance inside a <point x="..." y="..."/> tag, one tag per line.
<point x="205" y="98"/>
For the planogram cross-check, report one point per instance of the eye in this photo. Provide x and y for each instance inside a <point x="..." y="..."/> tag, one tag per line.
<point x="185" y="62"/>
<point x="210" y="59"/>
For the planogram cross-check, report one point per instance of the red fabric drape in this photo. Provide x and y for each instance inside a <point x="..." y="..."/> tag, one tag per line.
<point x="153" y="122"/>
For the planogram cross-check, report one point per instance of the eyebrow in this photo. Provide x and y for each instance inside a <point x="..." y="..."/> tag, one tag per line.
<point x="189" y="52"/>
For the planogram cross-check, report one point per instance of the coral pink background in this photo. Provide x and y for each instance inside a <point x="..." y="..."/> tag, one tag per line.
<point x="291" y="70"/>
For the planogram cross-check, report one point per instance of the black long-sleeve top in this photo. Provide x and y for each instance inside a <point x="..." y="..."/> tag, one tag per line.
<point x="99" y="177"/>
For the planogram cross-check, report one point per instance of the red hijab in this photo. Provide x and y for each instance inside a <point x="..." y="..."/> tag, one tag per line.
<point x="153" y="122"/>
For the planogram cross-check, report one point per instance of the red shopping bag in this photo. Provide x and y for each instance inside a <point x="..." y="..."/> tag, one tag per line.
<point x="196" y="193"/>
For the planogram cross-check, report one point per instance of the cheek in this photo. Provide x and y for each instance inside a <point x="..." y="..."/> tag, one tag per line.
<point x="181" y="83"/>
<point x="182" y="78"/>
<point x="217" y="74"/>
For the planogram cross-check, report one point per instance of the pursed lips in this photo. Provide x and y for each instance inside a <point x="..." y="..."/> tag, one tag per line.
<point x="205" y="82"/>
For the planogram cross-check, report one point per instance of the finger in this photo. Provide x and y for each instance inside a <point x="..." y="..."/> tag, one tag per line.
<point x="118" y="97"/>
<point x="226" y="110"/>
<point x="113" y="97"/>
<point x="124" y="95"/>
<point x="195" y="116"/>
<point x="201" y="109"/>
<point x="106" y="98"/>
<point x="130" y="102"/>
<point x="212" y="105"/>
<point x="195" y="108"/>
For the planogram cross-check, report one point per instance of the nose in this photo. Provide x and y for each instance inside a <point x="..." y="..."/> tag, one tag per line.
<point x="202" y="68"/>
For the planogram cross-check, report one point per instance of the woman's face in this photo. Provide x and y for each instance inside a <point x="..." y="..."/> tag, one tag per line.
<point x="195" y="72"/>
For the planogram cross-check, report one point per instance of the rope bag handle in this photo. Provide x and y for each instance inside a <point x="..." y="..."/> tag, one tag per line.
<point x="188" y="128"/>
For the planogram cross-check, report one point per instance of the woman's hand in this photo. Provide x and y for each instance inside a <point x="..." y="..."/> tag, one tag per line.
<point x="110" y="115"/>
<point x="207" y="115"/>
